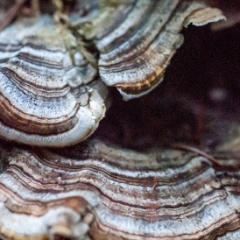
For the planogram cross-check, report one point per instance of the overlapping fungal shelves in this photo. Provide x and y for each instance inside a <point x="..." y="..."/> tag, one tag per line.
<point x="52" y="95"/>
<point x="95" y="191"/>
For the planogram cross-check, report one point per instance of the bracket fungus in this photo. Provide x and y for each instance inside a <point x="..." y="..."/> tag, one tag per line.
<point x="48" y="91"/>
<point x="137" y="42"/>
<point x="53" y="96"/>
<point x="74" y="193"/>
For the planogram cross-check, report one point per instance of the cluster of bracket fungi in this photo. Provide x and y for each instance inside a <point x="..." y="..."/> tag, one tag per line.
<point x="55" y="182"/>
